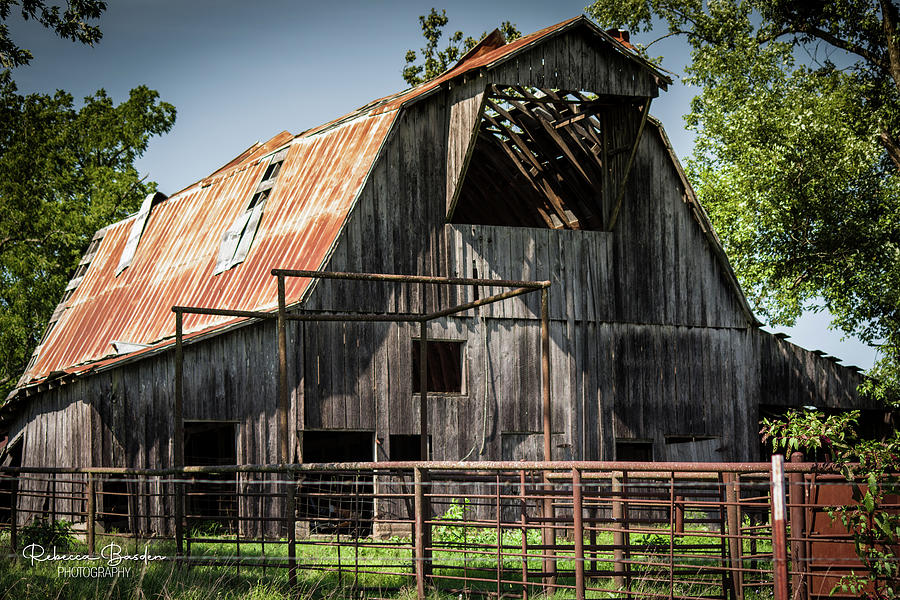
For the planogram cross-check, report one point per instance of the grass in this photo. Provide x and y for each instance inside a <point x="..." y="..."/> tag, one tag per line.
<point x="321" y="580"/>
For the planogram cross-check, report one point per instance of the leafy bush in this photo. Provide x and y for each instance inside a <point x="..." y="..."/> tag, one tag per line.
<point x="48" y="534"/>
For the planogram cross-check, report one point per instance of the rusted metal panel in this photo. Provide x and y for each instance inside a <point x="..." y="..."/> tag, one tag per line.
<point x="831" y="553"/>
<point x="318" y="184"/>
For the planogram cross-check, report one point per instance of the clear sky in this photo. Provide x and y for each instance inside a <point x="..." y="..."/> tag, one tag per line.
<point x="240" y="72"/>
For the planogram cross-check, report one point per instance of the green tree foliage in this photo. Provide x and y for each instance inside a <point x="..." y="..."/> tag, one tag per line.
<point x="65" y="171"/>
<point x="435" y="61"/>
<point x="71" y="24"/>
<point x="797" y="156"/>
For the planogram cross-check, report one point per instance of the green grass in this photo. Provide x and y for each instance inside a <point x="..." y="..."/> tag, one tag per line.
<point x="165" y="581"/>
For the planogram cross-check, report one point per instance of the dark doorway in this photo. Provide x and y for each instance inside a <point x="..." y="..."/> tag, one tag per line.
<point x="340" y="501"/>
<point x="211" y="497"/>
<point x="114" y="504"/>
<point x="12" y="458"/>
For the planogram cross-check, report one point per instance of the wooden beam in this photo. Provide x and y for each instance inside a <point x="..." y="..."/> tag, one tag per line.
<point x="532" y="126"/>
<point x="555" y="199"/>
<point x="637" y="140"/>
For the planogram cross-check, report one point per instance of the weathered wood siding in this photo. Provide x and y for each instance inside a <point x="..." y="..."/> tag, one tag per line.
<point x="793" y="376"/>
<point x="575" y="60"/>
<point x="123" y="416"/>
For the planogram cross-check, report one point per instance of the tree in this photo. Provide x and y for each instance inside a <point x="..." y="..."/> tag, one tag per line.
<point x="798" y="152"/>
<point x="437" y="61"/>
<point x="72" y="24"/>
<point x="64" y="173"/>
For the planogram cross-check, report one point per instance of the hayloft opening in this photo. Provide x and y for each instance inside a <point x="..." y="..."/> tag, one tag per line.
<point x="337" y="502"/>
<point x="445" y="366"/>
<point x="212" y="502"/>
<point x="548" y="158"/>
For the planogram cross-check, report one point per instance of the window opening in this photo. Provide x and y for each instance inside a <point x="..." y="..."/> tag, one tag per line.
<point x="11" y="457"/>
<point x="137" y="229"/>
<point x="406" y="447"/>
<point x="634" y="450"/>
<point x="239" y="236"/>
<point x="114" y="504"/>
<point x="337" y="502"/>
<point x="445" y="366"/>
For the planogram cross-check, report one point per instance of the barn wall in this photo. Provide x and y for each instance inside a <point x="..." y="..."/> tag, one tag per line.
<point x="656" y="266"/>
<point x="793" y="377"/>
<point x="123" y="416"/>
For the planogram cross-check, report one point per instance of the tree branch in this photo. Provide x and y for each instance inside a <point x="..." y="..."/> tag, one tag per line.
<point x="668" y="35"/>
<point x="890" y="144"/>
<point x="831" y="39"/>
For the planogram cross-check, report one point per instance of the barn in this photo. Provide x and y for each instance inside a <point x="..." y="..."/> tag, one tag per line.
<point x="534" y="160"/>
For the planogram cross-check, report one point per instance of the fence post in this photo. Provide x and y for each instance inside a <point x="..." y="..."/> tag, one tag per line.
<point x="53" y="497"/>
<point x="797" y="519"/>
<point x="779" y="542"/>
<point x="524" y="516"/>
<point x="733" y="519"/>
<point x="14" y="513"/>
<point x="290" y="513"/>
<point x="285" y="438"/>
<point x="423" y="531"/>
<point x="91" y="513"/>
<point x="618" y="516"/>
<point x="178" y="442"/>
<point x="578" y="526"/>
<point x="548" y="530"/>
<point x="679" y="515"/>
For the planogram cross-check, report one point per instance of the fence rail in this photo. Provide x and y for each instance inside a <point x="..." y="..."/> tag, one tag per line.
<point x="499" y="529"/>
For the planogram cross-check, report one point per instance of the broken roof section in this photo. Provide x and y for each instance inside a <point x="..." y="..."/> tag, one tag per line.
<point x="322" y="174"/>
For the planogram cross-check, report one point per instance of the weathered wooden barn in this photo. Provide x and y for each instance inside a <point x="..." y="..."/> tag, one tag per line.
<point x="532" y="160"/>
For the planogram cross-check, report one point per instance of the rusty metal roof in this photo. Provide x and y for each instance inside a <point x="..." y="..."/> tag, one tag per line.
<point x="320" y="179"/>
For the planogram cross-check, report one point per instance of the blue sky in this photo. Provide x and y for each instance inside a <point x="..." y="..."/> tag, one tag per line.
<point x="239" y="72"/>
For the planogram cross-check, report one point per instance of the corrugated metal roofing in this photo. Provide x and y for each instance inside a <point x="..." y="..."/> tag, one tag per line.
<point x="319" y="182"/>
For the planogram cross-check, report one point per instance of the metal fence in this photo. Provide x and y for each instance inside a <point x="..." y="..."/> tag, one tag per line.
<point x="498" y="529"/>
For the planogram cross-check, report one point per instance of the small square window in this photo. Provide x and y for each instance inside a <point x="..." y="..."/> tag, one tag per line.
<point x="631" y="450"/>
<point x="445" y="366"/>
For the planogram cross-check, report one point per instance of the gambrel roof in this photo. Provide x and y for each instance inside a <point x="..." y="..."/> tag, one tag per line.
<point x="308" y="195"/>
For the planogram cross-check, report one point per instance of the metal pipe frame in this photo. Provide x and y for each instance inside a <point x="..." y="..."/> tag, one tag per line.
<point x="286" y="439"/>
